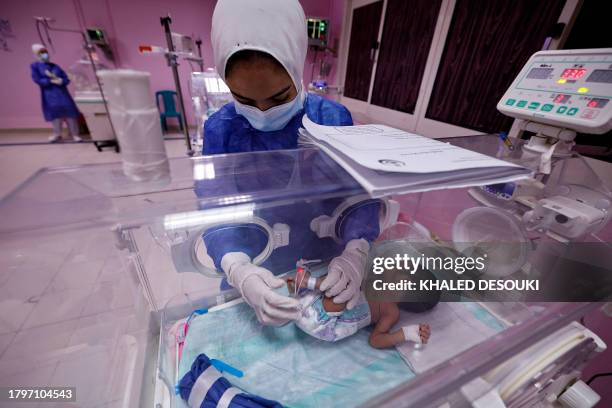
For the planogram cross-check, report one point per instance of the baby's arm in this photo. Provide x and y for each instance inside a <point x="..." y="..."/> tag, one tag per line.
<point x="380" y="336"/>
<point x="389" y="315"/>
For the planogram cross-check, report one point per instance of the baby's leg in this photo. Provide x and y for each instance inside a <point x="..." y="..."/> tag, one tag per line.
<point x="388" y="315"/>
<point x="381" y="336"/>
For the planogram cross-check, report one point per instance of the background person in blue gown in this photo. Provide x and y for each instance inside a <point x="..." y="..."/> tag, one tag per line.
<point x="57" y="104"/>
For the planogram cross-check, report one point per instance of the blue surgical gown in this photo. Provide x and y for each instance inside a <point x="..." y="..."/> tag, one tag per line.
<point x="56" y="100"/>
<point x="228" y="132"/>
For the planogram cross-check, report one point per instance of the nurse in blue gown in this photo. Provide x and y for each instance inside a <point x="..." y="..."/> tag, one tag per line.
<point x="260" y="49"/>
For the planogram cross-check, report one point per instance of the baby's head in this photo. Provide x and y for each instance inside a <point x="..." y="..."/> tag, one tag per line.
<point x="421" y="300"/>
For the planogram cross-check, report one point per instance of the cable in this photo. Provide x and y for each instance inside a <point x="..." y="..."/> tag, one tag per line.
<point x="596" y="376"/>
<point x="298" y="283"/>
<point x="46" y="25"/>
<point x="40" y="37"/>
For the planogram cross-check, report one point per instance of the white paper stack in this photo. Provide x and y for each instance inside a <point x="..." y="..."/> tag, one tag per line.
<point x="386" y="161"/>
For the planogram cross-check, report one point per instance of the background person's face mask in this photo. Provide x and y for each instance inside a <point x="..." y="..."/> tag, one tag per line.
<point x="44" y="56"/>
<point x="272" y="119"/>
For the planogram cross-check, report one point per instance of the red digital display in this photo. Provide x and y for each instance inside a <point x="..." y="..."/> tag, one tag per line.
<point x="573" y="73"/>
<point x="597" y="103"/>
<point x="561" y="98"/>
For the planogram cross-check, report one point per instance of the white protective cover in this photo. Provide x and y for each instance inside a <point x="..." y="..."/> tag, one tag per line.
<point x="277" y="27"/>
<point x="136" y="122"/>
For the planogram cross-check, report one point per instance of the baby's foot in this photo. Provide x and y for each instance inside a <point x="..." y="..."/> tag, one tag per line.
<point x="417" y="333"/>
<point x="424" y="333"/>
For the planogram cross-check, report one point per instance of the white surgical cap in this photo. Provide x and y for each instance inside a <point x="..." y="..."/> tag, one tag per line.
<point x="277" y="27"/>
<point x="37" y="47"/>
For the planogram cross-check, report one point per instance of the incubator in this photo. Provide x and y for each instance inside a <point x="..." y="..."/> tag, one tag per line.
<point x="157" y="273"/>
<point x="111" y="285"/>
<point x="89" y="100"/>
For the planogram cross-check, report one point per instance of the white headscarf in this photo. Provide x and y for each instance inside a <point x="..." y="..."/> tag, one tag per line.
<point x="277" y="27"/>
<point x="37" y="47"/>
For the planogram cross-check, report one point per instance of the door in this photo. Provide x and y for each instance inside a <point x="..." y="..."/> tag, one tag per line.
<point x="363" y="44"/>
<point x="399" y="55"/>
<point x="442" y="65"/>
<point x="406" y="39"/>
<point x="486" y="46"/>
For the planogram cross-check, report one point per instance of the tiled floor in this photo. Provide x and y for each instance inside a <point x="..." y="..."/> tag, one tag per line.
<point x="67" y="322"/>
<point x="70" y="314"/>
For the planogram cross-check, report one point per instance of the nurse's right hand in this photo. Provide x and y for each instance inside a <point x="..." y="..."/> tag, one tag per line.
<point x="256" y="285"/>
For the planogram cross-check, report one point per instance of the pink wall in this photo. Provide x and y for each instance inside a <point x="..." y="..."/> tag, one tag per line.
<point x="20" y="104"/>
<point x="129" y="23"/>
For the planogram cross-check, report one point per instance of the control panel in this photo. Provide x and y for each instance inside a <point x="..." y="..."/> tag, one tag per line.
<point x="570" y="89"/>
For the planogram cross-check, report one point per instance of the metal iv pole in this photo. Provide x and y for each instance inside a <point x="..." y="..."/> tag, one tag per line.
<point x="201" y="62"/>
<point x="172" y="58"/>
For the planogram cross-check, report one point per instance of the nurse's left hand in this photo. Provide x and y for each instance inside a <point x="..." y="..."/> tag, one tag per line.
<point x="345" y="273"/>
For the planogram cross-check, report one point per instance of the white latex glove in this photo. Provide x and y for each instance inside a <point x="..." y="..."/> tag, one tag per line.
<point x="50" y="74"/>
<point x="57" y="81"/>
<point x="345" y="273"/>
<point x="255" y="284"/>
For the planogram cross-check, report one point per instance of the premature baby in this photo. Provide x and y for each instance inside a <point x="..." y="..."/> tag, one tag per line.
<point x="329" y="321"/>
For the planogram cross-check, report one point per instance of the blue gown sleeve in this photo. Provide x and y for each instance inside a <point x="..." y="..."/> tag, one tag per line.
<point x="363" y="222"/>
<point x="216" y="132"/>
<point x="61" y="74"/>
<point x="39" y="77"/>
<point x="250" y="239"/>
<point x="248" y="174"/>
<point x="325" y="112"/>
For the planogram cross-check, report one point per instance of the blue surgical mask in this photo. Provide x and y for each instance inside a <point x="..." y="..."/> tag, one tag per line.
<point x="272" y="119"/>
<point x="44" y="56"/>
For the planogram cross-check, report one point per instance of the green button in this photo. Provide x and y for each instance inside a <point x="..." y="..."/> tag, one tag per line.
<point x="561" y="109"/>
<point x="533" y="105"/>
<point x="572" y="111"/>
<point x="521" y="103"/>
<point x="510" y="102"/>
<point x="547" y="108"/>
